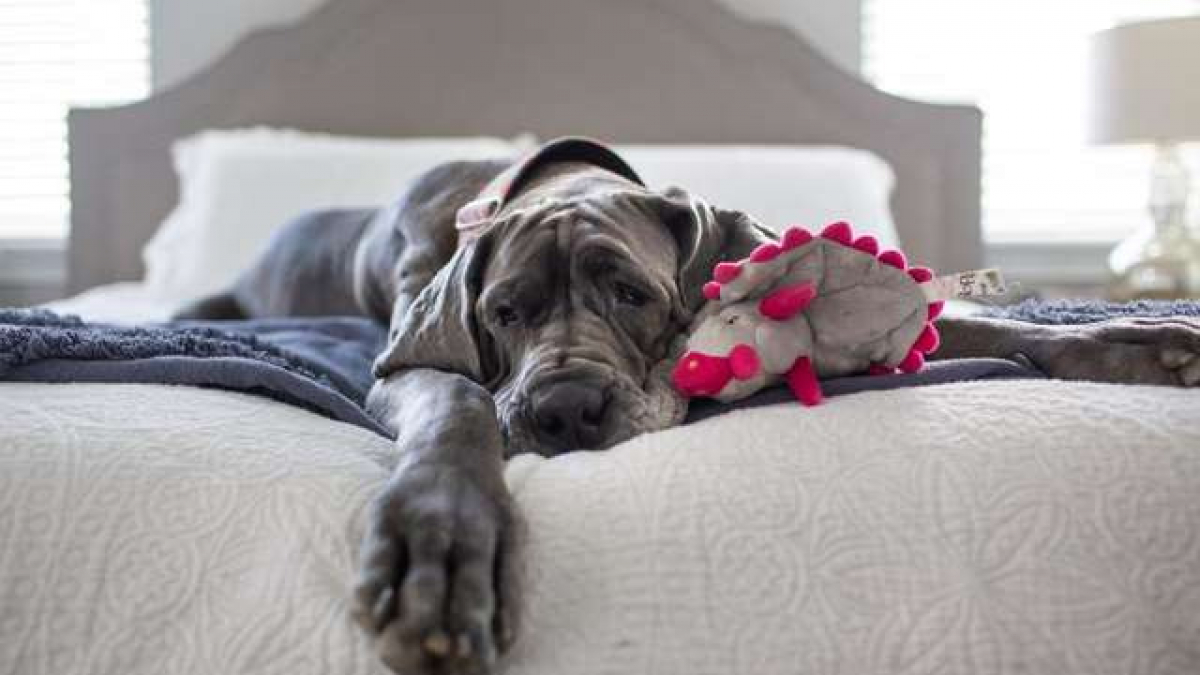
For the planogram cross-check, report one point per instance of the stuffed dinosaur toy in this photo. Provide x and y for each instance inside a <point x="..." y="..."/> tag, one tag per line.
<point x="806" y="308"/>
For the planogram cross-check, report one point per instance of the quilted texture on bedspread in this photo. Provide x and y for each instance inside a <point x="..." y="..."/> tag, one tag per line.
<point x="978" y="528"/>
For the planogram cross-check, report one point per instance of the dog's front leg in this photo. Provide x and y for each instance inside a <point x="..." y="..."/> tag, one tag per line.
<point x="1126" y="350"/>
<point x="435" y="560"/>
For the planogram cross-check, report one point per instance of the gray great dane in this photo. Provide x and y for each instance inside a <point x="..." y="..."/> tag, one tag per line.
<point x="548" y="329"/>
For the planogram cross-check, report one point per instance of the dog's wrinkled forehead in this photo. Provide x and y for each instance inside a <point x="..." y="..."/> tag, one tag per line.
<point x="555" y="222"/>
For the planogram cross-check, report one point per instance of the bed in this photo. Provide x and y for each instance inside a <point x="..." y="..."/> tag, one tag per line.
<point x="999" y="527"/>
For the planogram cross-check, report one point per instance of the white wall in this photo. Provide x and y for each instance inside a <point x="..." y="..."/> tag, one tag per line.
<point x="187" y="34"/>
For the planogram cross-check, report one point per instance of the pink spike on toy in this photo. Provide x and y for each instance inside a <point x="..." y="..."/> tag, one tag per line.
<point x="765" y="253"/>
<point x="743" y="362"/>
<point x="880" y="369"/>
<point x="913" y="362"/>
<point x="803" y="382"/>
<point x="712" y="290"/>
<point x="784" y="303"/>
<point x="935" y="309"/>
<point x="894" y="258"/>
<point x="795" y="237"/>
<point x="726" y="272"/>
<point x="839" y="232"/>
<point x="867" y="244"/>
<point x="928" y="341"/>
<point x="920" y="274"/>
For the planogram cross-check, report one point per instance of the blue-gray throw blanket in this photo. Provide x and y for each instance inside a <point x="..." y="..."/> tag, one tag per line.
<point x="324" y="364"/>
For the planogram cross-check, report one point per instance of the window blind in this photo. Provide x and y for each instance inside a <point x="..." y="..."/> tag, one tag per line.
<point x="1024" y="63"/>
<point x="55" y="54"/>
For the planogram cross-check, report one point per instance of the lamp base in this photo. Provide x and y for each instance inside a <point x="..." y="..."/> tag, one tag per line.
<point x="1149" y="265"/>
<point x="1160" y="261"/>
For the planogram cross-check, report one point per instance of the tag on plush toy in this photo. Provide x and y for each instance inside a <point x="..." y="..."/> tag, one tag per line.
<point x="805" y="308"/>
<point x="964" y="285"/>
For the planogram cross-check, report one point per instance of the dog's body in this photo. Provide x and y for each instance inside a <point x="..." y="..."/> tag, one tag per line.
<point x="551" y="332"/>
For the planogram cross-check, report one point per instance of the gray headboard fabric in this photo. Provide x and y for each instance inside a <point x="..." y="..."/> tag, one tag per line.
<point x="625" y="71"/>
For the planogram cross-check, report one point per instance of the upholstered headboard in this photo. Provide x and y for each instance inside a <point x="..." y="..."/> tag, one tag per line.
<point x="628" y="71"/>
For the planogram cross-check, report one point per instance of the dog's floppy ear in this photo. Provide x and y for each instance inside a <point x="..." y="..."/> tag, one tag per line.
<point x="706" y="235"/>
<point x="439" y="329"/>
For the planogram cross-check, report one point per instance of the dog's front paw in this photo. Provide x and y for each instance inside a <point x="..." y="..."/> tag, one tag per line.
<point x="1129" y="350"/>
<point x="433" y="570"/>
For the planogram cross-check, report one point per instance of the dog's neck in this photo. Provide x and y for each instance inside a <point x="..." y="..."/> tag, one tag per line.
<point x="562" y="157"/>
<point x="565" y="180"/>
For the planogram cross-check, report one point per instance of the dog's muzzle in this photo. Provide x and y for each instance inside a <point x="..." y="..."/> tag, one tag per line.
<point x="570" y="414"/>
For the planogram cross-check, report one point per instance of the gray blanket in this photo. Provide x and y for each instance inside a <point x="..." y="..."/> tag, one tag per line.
<point x="324" y="364"/>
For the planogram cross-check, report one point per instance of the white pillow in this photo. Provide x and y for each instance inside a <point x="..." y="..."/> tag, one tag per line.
<point x="780" y="185"/>
<point x="238" y="186"/>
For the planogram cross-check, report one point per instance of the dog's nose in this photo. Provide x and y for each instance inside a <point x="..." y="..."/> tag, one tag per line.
<point x="570" y="415"/>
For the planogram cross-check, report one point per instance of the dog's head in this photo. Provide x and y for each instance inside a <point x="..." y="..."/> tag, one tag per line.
<point x="571" y="306"/>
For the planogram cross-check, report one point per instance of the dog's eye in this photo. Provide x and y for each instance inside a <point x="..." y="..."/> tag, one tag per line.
<point x="506" y="316"/>
<point x="629" y="295"/>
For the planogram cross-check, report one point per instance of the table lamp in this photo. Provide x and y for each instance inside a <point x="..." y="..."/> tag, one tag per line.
<point x="1145" y="88"/>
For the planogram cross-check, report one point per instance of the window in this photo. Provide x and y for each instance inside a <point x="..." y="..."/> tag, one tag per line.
<point x="1024" y="62"/>
<point x="55" y="54"/>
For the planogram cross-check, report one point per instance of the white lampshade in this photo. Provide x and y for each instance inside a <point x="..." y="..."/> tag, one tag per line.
<point x="1145" y="82"/>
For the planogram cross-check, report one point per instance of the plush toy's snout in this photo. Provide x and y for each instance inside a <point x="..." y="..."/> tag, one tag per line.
<point x="699" y="374"/>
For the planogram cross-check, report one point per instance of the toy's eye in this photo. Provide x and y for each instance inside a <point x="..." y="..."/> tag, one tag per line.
<point x="506" y="316"/>
<point x="732" y="319"/>
<point x="629" y="295"/>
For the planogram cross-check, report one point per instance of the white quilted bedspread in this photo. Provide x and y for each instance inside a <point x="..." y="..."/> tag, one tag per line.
<point x="1017" y="527"/>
